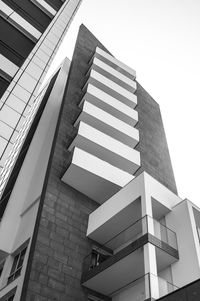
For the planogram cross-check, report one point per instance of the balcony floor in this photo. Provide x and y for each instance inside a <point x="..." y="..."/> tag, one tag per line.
<point x="126" y="266"/>
<point x="117" y="275"/>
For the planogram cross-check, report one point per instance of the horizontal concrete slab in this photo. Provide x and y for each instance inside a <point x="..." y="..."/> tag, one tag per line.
<point x="110" y="104"/>
<point x="116" y="62"/>
<point x="93" y="177"/>
<point x="108" y="124"/>
<point x="106" y="148"/>
<point x="129" y="98"/>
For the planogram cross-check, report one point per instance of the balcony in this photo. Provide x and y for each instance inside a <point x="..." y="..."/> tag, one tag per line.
<point x="120" y="260"/>
<point x="104" y="179"/>
<point x="140" y="290"/>
<point x="108" y="124"/>
<point x="110" y="87"/>
<point x="115" y="63"/>
<point x="113" y="75"/>
<point x="110" y="104"/>
<point x="106" y="148"/>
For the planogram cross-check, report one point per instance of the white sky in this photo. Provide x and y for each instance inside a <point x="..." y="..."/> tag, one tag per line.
<point x="160" y="39"/>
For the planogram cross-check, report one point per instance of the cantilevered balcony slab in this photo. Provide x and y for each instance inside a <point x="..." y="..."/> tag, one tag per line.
<point x="103" y="233"/>
<point x="106" y="148"/>
<point x="108" y="124"/>
<point x="128" y="245"/>
<point x="111" y="275"/>
<point x="111" y="73"/>
<point x="116" y="272"/>
<point x="110" y="104"/>
<point x="116" y="62"/>
<point x="124" y="208"/>
<point x="115" y="90"/>
<point x="93" y="177"/>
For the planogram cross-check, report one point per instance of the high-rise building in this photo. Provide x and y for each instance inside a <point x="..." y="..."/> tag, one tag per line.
<point x="31" y="32"/>
<point x="90" y="209"/>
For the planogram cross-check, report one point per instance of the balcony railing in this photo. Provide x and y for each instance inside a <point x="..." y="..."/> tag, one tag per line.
<point x="141" y="288"/>
<point x="163" y="233"/>
<point x="129" y="235"/>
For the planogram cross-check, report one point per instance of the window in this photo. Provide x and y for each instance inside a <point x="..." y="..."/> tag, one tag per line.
<point x="11" y="298"/>
<point x="17" y="266"/>
<point x="1" y="270"/>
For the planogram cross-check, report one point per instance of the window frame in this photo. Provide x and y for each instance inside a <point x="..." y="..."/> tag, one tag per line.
<point x="10" y="294"/>
<point x="17" y="263"/>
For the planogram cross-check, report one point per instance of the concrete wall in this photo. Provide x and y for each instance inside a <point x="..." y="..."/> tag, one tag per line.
<point x="187" y="268"/>
<point x="60" y="243"/>
<point x="155" y="158"/>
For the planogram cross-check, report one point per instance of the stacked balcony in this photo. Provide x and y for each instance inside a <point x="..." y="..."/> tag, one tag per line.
<point x="131" y="254"/>
<point x="104" y="158"/>
<point x="118" y="265"/>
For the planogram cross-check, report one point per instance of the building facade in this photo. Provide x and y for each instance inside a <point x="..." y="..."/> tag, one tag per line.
<point x="91" y="192"/>
<point x="31" y="32"/>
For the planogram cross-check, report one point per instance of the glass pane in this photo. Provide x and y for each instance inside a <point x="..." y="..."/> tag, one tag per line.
<point x="1" y="270"/>
<point x="21" y="259"/>
<point x="14" y="264"/>
<point x="10" y="279"/>
<point x="138" y="290"/>
<point x="17" y="273"/>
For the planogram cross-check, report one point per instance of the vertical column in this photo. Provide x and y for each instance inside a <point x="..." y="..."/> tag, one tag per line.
<point x="150" y="263"/>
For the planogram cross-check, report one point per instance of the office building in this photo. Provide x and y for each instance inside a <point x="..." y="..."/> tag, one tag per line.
<point x="92" y="195"/>
<point x="31" y="32"/>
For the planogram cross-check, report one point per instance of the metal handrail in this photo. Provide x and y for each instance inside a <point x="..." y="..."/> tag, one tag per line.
<point x="134" y="223"/>
<point x="139" y="278"/>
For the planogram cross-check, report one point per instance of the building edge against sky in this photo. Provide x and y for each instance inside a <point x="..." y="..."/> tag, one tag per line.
<point x="32" y="34"/>
<point x="97" y="197"/>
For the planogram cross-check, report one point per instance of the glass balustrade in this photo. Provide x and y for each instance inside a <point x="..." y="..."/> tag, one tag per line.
<point x="127" y="236"/>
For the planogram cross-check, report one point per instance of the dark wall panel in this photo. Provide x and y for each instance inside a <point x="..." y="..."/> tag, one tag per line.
<point x="56" y="4"/>
<point x="11" y="54"/>
<point x="155" y="158"/>
<point x="14" y="44"/>
<point x="3" y="85"/>
<point x="30" y="12"/>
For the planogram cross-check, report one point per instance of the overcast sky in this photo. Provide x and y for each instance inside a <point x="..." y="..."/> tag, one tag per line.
<point x="160" y="39"/>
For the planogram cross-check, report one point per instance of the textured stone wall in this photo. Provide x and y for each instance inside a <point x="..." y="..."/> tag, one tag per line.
<point x="60" y="236"/>
<point x="155" y="158"/>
